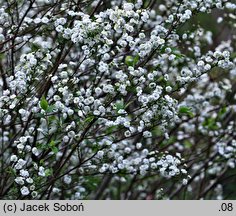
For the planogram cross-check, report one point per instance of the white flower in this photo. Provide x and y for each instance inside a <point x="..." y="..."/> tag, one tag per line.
<point x="23" y="140"/>
<point x="33" y="61"/>
<point x="185" y="182"/>
<point x="60" y="21"/>
<point x="56" y="190"/>
<point x="139" y="145"/>
<point x="20" y="146"/>
<point x="20" y="164"/>
<point x="128" y="6"/>
<point x="201" y="63"/>
<point x="35" y="151"/>
<point x="147" y="134"/>
<point x="45" y="20"/>
<point x="121" y="166"/>
<point x="145" y="16"/>
<point x="24" y="191"/>
<point x="77" y="195"/>
<point x="127" y="150"/>
<point x="32" y="187"/>
<point x="102" y="170"/>
<point x="34" y="194"/>
<point x="127" y="133"/>
<point x="59" y="28"/>
<point x="100" y="154"/>
<point x="19" y="180"/>
<point x="24" y="173"/>
<point x="41" y="171"/>
<point x="37" y="20"/>
<point x="168" y="88"/>
<point x="13" y="158"/>
<point x="66" y="139"/>
<point x="29" y="180"/>
<point x="67" y="179"/>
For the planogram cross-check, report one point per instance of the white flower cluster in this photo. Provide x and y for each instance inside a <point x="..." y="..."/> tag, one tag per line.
<point x="119" y="89"/>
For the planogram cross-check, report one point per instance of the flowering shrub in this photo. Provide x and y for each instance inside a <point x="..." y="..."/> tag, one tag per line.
<point x="117" y="99"/>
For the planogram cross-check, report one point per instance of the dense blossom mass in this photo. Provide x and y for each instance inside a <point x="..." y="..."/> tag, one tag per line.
<point x="117" y="99"/>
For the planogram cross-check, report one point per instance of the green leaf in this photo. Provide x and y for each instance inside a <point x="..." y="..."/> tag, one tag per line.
<point x="35" y="47"/>
<point x="44" y="103"/>
<point x="187" y="144"/>
<point x="222" y="111"/>
<point x="136" y="59"/>
<point x="128" y="104"/>
<point x="161" y="79"/>
<point x="210" y="123"/>
<point x="2" y="56"/>
<point x="52" y="143"/>
<point x="51" y="118"/>
<point x="91" y="183"/>
<point x="119" y="105"/>
<point x="179" y="55"/>
<point x="131" y="61"/>
<point x="48" y="172"/>
<point x="8" y="10"/>
<point x="11" y="171"/>
<point x="55" y="149"/>
<point x="233" y="55"/>
<point x="50" y="108"/>
<point x="95" y="147"/>
<point x="186" y="110"/>
<point x="89" y="119"/>
<point x="41" y="162"/>
<point x="111" y="129"/>
<point x="39" y="115"/>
